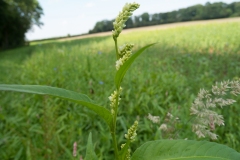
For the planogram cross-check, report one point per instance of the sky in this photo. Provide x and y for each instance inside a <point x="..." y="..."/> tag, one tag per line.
<point x="74" y="17"/>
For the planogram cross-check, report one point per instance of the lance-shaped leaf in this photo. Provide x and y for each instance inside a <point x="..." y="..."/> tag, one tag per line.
<point x="61" y="93"/>
<point x="123" y="69"/>
<point x="90" y="154"/>
<point x="184" y="150"/>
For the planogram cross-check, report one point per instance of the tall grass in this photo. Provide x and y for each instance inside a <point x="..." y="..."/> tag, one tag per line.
<point x="166" y="78"/>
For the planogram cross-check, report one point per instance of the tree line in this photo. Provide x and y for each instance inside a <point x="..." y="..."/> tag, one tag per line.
<point x="196" y="12"/>
<point x="16" y="18"/>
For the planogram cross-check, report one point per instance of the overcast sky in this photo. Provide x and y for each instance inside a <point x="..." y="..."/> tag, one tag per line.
<point x="62" y="17"/>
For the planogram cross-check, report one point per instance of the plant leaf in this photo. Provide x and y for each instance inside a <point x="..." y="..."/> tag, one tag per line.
<point x="61" y="93"/>
<point x="66" y="150"/>
<point x="184" y="150"/>
<point x="90" y="154"/>
<point x="123" y="69"/>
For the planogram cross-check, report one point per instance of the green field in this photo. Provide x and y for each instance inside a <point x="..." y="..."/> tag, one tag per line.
<point x="165" y="78"/>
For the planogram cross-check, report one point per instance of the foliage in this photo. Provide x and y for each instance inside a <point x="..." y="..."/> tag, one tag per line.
<point x="17" y="17"/>
<point x="164" y="79"/>
<point x="90" y="154"/>
<point x="184" y="150"/>
<point x="196" y="12"/>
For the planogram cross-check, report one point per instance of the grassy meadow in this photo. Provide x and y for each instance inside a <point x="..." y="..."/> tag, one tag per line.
<point x="165" y="78"/>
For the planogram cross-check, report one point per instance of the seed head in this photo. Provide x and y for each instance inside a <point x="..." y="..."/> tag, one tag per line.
<point x="113" y="100"/>
<point x="123" y="16"/>
<point x="132" y="132"/>
<point x="206" y="118"/>
<point x="154" y="119"/>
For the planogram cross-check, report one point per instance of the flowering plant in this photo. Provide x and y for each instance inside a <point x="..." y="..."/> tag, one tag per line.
<point x="159" y="149"/>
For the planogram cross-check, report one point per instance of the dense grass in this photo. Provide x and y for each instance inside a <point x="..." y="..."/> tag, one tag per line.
<point x="166" y="78"/>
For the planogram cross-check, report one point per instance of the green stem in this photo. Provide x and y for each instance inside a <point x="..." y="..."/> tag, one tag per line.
<point x="113" y="132"/>
<point x="115" y="144"/>
<point x="114" y="126"/>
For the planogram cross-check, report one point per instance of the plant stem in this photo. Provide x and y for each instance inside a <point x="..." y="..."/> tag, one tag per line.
<point x="115" y="144"/>
<point x="113" y="132"/>
<point x="114" y="126"/>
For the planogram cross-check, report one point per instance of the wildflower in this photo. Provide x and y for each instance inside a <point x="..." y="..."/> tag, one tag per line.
<point x="132" y="132"/>
<point x="113" y="100"/>
<point x="122" y="146"/>
<point x="120" y="61"/>
<point x="169" y="115"/>
<point x="154" y="119"/>
<point x="163" y="127"/>
<point x="128" y="156"/>
<point x="125" y="49"/>
<point x="206" y="119"/>
<point x="123" y="16"/>
<point x="74" y="149"/>
<point x="211" y="123"/>
<point x="125" y="53"/>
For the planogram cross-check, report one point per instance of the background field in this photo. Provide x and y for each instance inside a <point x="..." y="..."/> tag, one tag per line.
<point x="165" y="78"/>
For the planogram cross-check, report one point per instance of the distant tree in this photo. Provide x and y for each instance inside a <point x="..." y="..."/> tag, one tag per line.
<point x="164" y="17"/>
<point x="16" y="18"/>
<point x="216" y="10"/>
<point x="155" y="19"/>
<point x="137" y="21"/>
<point x="196" y="12"/>
<point x="187" y="14"/>
<point x="129" y="23"/>
<point x="172" y="17"/>
<point x="102" y="26"/>
<point x="145" y="19"/>
<point x="235" y="7"/>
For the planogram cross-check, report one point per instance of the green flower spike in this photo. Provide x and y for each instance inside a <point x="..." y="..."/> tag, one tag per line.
<point x="132" y="132"/>
<point x="113" y="99"/>
<point x="124" y="53"/>
<point x="125" y="49"/>
<point x="122" y="18"/>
